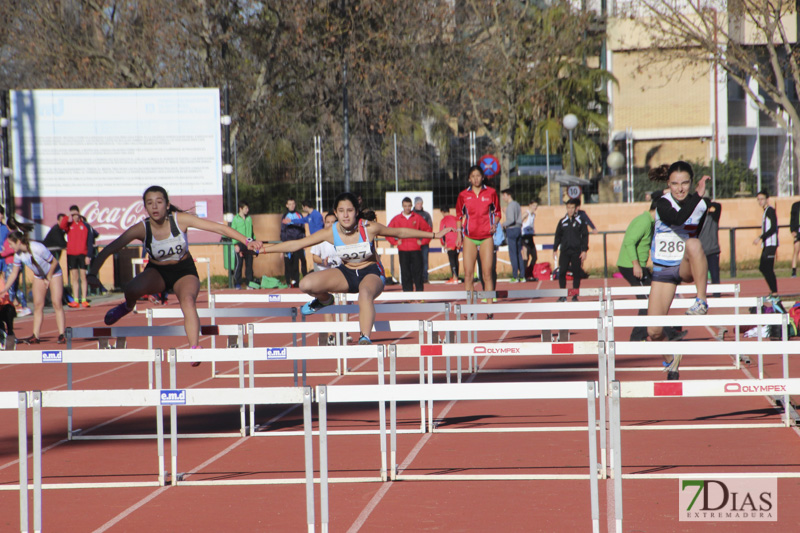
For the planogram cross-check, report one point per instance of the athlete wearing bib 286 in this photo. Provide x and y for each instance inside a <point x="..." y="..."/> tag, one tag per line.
<point x="676" y="251"/>
<point x="360" y="272"/>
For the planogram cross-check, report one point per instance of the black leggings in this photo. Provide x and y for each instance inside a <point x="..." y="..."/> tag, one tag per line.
<point x="767" y="267"/>
<point x="452" y="255"/>
<point x="7" y="315"/>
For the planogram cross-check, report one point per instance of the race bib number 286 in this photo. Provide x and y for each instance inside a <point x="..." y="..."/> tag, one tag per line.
<point x="669" y="247"/>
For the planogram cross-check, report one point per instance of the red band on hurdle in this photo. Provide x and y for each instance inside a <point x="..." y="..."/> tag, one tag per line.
<point x="430" y="349"/>
<point x="101" y="332"/>
<point x="573" y="292"/>
<point x="668" y="389"/>
<point x="501" y="294"/>
<point x="209" y="330"/>
<point x="563" y="348"/>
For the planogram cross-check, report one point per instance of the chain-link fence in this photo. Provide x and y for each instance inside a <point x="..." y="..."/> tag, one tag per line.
<point x="376" y="167"/>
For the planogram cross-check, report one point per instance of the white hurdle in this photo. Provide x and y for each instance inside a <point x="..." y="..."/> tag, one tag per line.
<point x="686" y="389"/>
<point x="475" y="326"/>
<point x="19" y="401"/>
<point x="550" y="308"/>
<point x="171" y="398"/>
<point x="70" y="357"/>
<point x="428" y="296"/>
<point x="230" y="312"/>
<point x="333" y="327"/>
<point x="757" y="347"/>
<point x="452" y="392"/>
<point x="290" y="353"/>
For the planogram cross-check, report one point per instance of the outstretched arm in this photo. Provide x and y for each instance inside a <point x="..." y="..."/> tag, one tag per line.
<point x="191" y="221"/>
<point x="322" y="235"/>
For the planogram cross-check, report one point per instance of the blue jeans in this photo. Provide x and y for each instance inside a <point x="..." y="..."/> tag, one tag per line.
<point x="425" y="248"/>
<point x="514" y="239"/>
<point x="12" y="291"/>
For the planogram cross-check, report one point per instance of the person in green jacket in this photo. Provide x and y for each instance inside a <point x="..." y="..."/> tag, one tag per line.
<point x="632" y="262"/>
<point x="243" y="223"/>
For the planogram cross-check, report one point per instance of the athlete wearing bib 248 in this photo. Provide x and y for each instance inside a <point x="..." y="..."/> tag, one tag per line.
<point x="360" y="272"/>
<point x="676" y="251"/>
<point x="171" y="266"/>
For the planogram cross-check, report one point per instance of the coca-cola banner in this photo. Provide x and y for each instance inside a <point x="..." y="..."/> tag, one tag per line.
<point x="111" y="216"/>
<point x="100" y="149"/>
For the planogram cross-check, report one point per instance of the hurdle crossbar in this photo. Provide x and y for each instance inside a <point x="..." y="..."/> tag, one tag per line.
<point x="395" y="296"/>
<point x="331" y="327"/>
<point x="696" y="389"/>
<point x="214" y="313"/>
<point x="540" y="293"/>
<point x="471" y="391"/>
<point x="721" y="288"/>
<point x="261" y="298"/>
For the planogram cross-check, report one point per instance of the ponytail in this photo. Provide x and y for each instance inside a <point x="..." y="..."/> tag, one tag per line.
<point x="15" y="225"/>
<point x="663" y="172"/>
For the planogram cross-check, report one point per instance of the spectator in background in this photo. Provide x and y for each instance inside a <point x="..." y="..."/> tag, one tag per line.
<point x="44" y="267"/>
<point x="513" y="229"/>
<point x="569" y="247"/>
<point x="794" y="227"/>
<point x="243" y="223"/>
<point x="410" y="249"/>
<point x="709" y="239"/>
<point x="7" y="316"/>
<point x="54" y="240"/>
<point x="425" y="248"/>
<point x="91" y="240"/>
<point x="292" y="232"/>
<point x="769" y="244"/>
<point x="77" y="254"/>
<point x="530" y="255"/>
<point x="312" y="217"/>
<point x="449" y="243"/>
<point x="7" y="254"/>
<point x="478" y="209"/>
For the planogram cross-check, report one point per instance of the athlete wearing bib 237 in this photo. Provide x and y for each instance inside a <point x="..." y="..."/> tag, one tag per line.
<point x="360" y="272"/>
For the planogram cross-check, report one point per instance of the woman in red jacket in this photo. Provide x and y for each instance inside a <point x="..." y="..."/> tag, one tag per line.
<point x="478" y="209"/>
